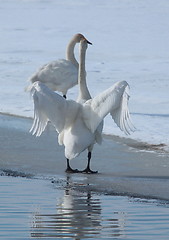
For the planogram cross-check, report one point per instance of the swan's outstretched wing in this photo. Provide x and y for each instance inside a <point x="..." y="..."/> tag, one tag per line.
<point x="58" y="75"/>
<point x="114" y="100"/>
<point x="50" y="106"/>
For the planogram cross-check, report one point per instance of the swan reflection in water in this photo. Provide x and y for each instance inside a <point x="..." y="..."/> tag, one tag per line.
<point x="78" y="215"/>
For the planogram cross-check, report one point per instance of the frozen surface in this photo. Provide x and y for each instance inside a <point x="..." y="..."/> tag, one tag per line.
<point x="122" y="170"/>
<point x="130" y="42"/>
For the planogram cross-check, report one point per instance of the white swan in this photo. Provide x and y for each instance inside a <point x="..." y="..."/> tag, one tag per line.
<point x="62" y="74"/>
<point x="79" y="124"/>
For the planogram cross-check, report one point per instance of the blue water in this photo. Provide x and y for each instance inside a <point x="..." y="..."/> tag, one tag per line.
<point x="38" y="209"/>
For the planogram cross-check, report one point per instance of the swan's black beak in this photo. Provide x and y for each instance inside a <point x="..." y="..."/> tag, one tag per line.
<point x="88" y="42"/>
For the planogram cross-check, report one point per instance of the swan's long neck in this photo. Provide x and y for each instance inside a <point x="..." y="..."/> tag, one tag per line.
<point x="83" y="90"/>
<point x="70" y="53"/>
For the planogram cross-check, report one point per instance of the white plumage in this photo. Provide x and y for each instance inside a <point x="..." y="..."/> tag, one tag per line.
<point x="62" y="74"/>
<point x="79" y="123"/>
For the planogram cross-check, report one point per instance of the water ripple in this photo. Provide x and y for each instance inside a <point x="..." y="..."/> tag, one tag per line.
<point x="35" y="208"/>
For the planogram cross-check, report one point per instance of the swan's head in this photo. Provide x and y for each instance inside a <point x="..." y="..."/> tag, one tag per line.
<point x="84" y="44"/>
<point x="79" y="37"/>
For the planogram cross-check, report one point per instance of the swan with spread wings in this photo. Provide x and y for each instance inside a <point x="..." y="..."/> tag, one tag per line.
<point x="79" y="123"/>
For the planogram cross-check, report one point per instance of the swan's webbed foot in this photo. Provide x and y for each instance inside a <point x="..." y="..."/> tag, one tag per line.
<point x="70" y="170"/>
<point x="88" y="170"/>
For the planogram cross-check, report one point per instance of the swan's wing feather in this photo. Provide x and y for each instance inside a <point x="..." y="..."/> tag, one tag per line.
<point x="48" y="106"/>
<point x="121" y="114"/>
<point x="114" y="100"/>
<point x="58" y="75"/>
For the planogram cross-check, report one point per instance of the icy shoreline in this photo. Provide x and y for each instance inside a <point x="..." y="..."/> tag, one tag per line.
<point x="139" y="144"/>
<point x="122" y="166"/>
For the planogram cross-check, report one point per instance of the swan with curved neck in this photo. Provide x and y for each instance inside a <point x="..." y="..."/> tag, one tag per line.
<point x="70" y="56"/>
<point x="79" y="123"/>
<point x="60" y="75"/>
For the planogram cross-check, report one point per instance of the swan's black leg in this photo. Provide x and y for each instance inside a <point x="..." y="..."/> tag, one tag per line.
<point x="64" y="96"/>
<point x="69" y="169"/>
<point x="87" y="169"/>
